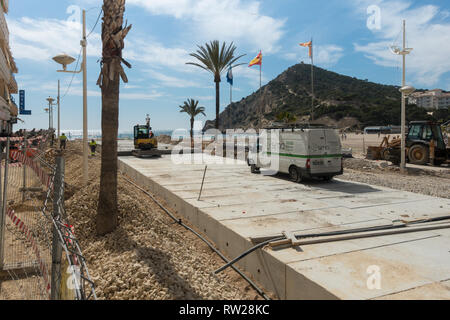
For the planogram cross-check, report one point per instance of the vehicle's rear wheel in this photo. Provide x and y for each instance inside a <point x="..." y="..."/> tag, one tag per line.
<point x="295" y="174"/>
<point x="419" y="154"/>
<point x="254" y="169"/>
<point x="385" y="154"/>
<point x="328" y="179"/>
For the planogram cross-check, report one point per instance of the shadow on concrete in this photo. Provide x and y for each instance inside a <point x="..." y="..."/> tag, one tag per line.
<point x="351" y="188"/>
<point x="160" y="265"/>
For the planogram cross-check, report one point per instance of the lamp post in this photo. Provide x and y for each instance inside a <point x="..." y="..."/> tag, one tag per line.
<point x="405" y="91"/>
<point x="50" y="112"/>
<point x="58" y="101"/>
<point x="65" y="60"/>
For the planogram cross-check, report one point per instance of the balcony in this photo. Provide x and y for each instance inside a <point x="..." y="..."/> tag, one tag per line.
<point x="4" y="32"/>
<point x="4" y="110"/>
<point x="13" y="109"/>
<point x="5" y="72"/>
<point x="12" y="85"/>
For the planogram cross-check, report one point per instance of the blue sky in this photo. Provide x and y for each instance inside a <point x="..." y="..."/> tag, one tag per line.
<point x="348" y="39"/>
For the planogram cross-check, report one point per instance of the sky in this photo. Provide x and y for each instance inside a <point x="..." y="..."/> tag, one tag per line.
<point x="351" y="37"/>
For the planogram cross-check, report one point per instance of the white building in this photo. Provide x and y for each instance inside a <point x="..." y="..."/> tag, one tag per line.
<point x="8" y="84"/>
<point x="432" y="100"/>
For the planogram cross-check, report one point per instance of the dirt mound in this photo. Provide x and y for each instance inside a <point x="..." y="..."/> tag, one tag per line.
<point x="165" y="139"/>
<point x="383" y="173"/>
<point x="147" y="257"/>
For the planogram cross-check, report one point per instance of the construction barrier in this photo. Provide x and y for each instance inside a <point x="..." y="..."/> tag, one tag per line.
<point x="43" y="176"/>
<point x="21" y="226"/>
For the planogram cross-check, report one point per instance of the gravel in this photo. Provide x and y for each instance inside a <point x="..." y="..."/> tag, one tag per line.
<point x="381" y="173"/>
<point x="147" y="257"/>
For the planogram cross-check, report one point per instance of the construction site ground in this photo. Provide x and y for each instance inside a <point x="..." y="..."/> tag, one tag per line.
<point x="236" y="206"/>
<point x="148" y="257"/>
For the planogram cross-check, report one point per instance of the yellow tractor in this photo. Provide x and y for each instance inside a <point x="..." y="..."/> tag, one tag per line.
<point x="145" y="141"/>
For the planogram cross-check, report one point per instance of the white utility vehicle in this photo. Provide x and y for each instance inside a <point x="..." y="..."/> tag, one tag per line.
<point x="301" y="152"/>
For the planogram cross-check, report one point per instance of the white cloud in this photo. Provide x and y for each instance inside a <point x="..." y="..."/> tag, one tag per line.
<point x="157" y="55"/>
<point x="324" y="55"/>
<point x="141" y="96"/>
<point x="429" y="37"/>
<point x="41" y="39"/>
<point x="251" y="74"/>
<point x="226" y="20"/>
<point x="169" y="81"/>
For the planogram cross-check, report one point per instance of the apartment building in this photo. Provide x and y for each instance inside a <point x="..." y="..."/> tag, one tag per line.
<point x="431" y="100"/>
<point x="8" y="84"/>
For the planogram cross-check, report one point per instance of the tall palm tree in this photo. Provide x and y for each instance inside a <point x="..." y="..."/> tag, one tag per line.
<point x="191" y="108"/>
<point x="113" y="35"/>
<point x="216" y="59"/>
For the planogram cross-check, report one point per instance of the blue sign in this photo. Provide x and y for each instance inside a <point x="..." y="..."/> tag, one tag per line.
<point x="22" y="99"/>
<point x="22" y="110"/>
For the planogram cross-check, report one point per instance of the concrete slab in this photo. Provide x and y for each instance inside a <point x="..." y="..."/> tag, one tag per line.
<point x="237" y="205"/>
<point x="434" y="291"/>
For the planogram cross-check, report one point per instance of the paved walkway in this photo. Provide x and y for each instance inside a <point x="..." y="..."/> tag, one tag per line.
<point x="237" y="205"/>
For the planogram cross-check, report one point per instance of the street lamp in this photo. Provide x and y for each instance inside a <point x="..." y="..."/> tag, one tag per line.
<point x="66" y="60"/>
<point x="405" y="90"/>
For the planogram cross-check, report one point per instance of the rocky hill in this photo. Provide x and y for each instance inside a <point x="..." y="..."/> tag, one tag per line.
<point x="341" y="100"/>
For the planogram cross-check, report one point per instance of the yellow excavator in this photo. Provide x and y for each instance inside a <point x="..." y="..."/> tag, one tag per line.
<point x="145" y="141"/>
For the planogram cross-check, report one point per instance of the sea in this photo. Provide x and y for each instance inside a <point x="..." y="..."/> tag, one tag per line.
<point x="97" y="134"/>
<point x="129" y="135"/>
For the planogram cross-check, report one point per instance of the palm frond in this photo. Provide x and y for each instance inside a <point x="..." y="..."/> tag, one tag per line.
<point x="214" y="57"/>
<point x="191" y="108"/>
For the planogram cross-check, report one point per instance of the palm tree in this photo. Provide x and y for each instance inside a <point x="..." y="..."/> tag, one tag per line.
<point x="113" y="35"/>
<point x="191" y="108"/>
<point x="216" y="60"/>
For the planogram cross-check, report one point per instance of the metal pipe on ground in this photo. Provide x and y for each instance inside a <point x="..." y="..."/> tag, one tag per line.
<point x="180" y="222"/>
<point x="203" y="181"/>
<point x="361" y="233"/>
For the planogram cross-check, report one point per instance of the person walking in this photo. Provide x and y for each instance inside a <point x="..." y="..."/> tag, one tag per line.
<point x="93" y="146"/>
<point x="62" y="141"/>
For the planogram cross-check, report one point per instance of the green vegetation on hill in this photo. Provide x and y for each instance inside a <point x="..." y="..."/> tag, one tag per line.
<point x="337" y="97"/>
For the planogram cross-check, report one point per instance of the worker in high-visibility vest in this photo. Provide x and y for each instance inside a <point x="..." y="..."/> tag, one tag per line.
<point x="62" y="141"/>
<point x="93" y="146"/>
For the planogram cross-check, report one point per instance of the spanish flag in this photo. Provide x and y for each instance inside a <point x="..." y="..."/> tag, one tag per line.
<point x="257" y="61"/>
<point x="308" y="45"/>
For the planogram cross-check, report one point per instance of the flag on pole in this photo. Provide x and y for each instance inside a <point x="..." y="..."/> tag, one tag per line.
<point x="308" y="45"/>
<point x="257" y="61"/>
<point x="230" y="76"/>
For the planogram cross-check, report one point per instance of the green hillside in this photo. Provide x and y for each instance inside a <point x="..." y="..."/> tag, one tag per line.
<point x="337" y="97"/>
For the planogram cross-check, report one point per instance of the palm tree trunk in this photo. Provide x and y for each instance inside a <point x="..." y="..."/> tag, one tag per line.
<point x="217" y="103"/>
<point x="192" y="134"/>
<point x="107" y="213"/>
<point x="113" y="35"/>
